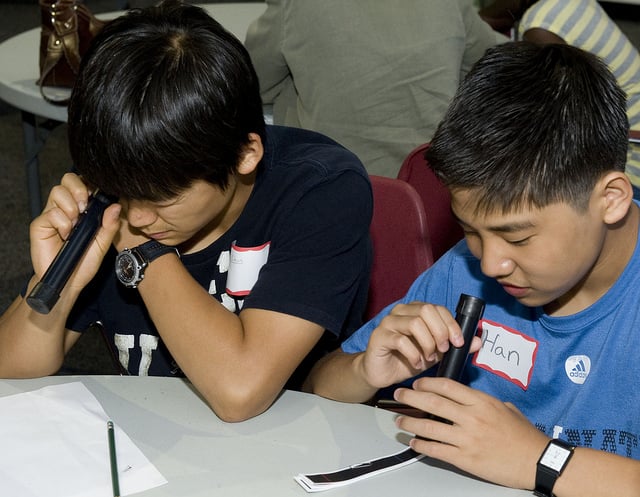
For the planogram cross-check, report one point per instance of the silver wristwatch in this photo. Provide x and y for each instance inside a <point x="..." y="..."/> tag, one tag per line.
<point x="131" y="263"/>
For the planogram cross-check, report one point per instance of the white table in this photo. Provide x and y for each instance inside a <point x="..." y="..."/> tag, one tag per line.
<point x="201" y="456"/>
<point x="19" y="73"/>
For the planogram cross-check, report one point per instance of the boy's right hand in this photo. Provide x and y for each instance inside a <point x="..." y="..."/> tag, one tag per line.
<point x="408" y="341"/>
<point x="54" y="225"/>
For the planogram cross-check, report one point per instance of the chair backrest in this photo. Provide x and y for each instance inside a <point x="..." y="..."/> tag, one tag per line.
<point x="401" y="248"/>
<point x="444" y="230"/>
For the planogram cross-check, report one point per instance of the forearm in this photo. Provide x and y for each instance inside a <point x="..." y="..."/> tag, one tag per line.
<point x="593" y="473"/>
<point x="33" y="344"/>
<point x="238" y="363"/>
<point x="338" y="376"/>
<point x="204" y="338"/>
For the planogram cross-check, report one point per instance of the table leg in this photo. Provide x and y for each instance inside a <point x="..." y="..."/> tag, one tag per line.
<point x="35" y="136"/>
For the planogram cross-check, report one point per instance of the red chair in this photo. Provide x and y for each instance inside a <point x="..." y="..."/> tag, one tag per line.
<point x="444" y="230"/>
<point x="400" y="238"/>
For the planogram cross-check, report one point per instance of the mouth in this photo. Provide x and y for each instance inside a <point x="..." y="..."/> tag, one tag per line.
<point x="161" y="235"/>
<point x="515" y="291"/>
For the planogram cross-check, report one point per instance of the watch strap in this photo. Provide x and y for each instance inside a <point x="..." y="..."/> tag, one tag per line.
<point x="153" y="249"/>
<point x="545" y="476"/>
<point x="545" y="481"/>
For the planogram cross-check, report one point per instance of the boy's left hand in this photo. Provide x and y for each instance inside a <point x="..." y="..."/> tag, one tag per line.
<point x="488" y="438"/>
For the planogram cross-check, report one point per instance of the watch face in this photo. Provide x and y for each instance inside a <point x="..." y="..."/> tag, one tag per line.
<point x="555" y="457"/>
<point x="127" y="269"/>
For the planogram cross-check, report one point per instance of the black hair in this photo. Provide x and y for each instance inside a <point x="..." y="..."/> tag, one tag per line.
<point x="165" y="96"/>
<point x="532" y="125"/>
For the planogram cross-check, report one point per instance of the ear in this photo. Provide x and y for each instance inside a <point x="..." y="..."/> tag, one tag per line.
<point x="616" y="193"/>
<point x="251" y="155"/>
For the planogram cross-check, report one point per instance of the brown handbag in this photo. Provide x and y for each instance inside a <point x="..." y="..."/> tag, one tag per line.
<point x="68" y="27"/>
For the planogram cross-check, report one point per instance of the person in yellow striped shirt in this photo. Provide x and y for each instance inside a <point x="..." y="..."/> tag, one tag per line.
<point x="583" y="24"/>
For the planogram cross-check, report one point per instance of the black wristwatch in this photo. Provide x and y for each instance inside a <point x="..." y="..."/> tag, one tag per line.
<point x="131" y="263"/>
<point x="552" y="462"/>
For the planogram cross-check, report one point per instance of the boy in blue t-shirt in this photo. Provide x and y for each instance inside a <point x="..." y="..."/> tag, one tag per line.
<point x="533" y="150"/>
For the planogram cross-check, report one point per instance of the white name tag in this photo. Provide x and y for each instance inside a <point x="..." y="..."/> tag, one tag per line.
<point x="244" y="265"/>
<point x="507" y="353"/>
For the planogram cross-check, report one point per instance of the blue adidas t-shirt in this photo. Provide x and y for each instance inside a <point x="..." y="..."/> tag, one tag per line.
<point x="574" y="377"/>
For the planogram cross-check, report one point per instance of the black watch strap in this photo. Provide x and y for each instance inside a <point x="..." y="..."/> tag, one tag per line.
<point x="552" y="462"/>
<point x="545" y="480"/>
<point x="152" y="249"/>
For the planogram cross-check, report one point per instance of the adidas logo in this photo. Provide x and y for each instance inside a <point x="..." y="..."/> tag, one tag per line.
<point x="577" y="368"/>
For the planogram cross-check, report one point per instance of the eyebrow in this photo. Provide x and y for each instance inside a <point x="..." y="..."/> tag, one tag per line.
<point x="502" y="228"/>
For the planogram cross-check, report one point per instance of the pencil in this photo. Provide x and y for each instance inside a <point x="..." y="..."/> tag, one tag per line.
<point x="112" y="459"/>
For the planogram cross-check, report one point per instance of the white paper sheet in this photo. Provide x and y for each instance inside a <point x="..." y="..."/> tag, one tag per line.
<point x="54" y="443"/>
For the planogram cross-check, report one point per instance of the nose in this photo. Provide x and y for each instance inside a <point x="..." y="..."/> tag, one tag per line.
<point x="140" y="213"/>
<point x="495" y="261"/>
